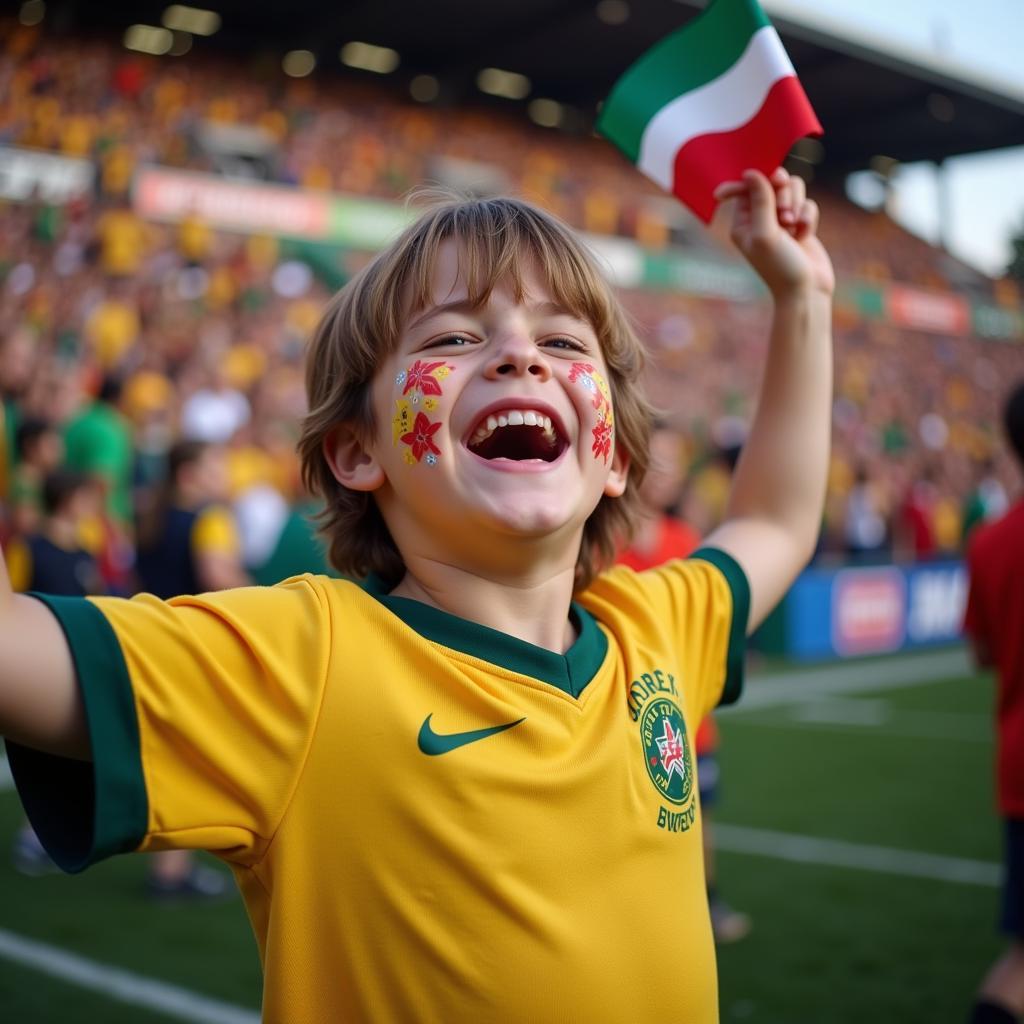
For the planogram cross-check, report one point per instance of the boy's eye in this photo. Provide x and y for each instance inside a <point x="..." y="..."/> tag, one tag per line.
<point x="564" y="343"/>
<point x="454" y="340"/>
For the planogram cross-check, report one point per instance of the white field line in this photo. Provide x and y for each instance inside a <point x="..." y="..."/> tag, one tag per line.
<point x="120" y="984"/>
<point x="863" y="715"/>
<point x="858" y="856"/>
<point x="855" y="677"/>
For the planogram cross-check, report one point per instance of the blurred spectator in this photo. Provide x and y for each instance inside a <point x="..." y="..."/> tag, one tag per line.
<point x="296" y="550"/>
<point x="39" y="451"/>
<point x="995" y="611"/>
<point x="986" y="501"/>
<point x="98" y="441"/>
<point x="865" y="530"/>
<point x="915" y="526"/>
<point x="50" y="558"/>
<point x="190" y="544"/>
<point x="17" y="362"/>
<point x="213" y="413"/>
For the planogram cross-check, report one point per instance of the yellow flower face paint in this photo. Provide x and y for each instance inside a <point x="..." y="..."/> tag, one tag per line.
<point x="411" y="426"/>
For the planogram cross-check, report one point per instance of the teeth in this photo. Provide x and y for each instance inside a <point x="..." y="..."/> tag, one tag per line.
<point x="513" y="418"/>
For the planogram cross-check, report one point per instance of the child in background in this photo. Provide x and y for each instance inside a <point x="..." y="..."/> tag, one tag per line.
<point x="52" y="558"/>
<point x="463" y="791"/>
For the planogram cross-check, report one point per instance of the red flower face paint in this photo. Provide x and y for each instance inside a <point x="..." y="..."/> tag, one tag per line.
<point x="588" y="378"/>
<point x="423" y="377"/>
<point x="421" y="439"/>
<point x="422" y="383"/>
<point x="602" y="446"/>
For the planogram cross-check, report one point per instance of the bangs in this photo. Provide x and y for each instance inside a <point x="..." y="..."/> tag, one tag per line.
<point x="500" y="241"/>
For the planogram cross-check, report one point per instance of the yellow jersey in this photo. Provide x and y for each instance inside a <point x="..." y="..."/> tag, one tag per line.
<point x="428" y="819"/>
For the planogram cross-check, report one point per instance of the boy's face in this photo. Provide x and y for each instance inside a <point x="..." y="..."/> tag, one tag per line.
<point x="494" y="420"/>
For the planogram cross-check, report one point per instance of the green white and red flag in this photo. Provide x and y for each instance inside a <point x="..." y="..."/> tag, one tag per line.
<point x="707" y="102"/>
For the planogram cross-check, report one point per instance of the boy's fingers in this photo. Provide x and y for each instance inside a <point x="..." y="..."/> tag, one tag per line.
<point x="790" y="198"/>
<point x="729" y="189"/>
<point x="798" y="190"/>
<point x="809" y="213"/>
<point x="762" y="203"/>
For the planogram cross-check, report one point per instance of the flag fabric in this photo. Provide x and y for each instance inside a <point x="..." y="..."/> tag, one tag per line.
<point x="709" y="101"/>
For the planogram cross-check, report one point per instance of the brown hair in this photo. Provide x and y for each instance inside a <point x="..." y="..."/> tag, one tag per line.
<point x="362" y="326"/>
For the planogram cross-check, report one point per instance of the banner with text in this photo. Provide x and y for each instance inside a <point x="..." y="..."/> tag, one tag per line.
<point x="844" y="613"/>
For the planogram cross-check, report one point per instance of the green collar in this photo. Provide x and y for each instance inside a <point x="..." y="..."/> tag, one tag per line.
<point x="569" y="672"/>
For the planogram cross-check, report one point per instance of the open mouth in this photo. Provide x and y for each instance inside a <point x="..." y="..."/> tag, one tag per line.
<point x="519" y="435"/>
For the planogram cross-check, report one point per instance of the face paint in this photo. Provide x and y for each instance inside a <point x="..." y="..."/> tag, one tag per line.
<point x="591" y="380"/>
<point x="421" y="440"/>
<point x="421" y="382"/>
<point x="423" y="379"/>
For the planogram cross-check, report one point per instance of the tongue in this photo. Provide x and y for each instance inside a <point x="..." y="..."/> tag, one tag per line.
<point x="518" y="444"/>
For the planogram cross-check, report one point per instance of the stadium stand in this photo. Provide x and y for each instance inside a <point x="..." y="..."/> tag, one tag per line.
<point x="205" y="329"/>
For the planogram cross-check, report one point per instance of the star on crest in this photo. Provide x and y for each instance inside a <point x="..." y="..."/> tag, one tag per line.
<point x="670" y="746"/>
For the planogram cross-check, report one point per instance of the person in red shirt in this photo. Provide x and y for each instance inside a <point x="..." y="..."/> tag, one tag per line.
<point x="994" y="623"/>
<point x="915" y="526"/>
<point x="659" y="537"/>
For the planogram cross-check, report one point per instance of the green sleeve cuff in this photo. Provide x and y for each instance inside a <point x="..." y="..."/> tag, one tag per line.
<point x="81" y="811"/>
<point x="739" y="586"/>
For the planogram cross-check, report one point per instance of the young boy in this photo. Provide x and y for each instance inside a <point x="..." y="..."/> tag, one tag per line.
<point x="456" y="793"/>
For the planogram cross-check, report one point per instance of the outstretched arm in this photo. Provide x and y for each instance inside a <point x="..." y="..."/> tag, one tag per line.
<point x="778" y="492"/>
<point x="40" y="704"/>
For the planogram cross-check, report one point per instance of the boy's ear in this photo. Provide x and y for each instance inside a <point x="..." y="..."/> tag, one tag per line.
<point x="351" y="463"/>
<point x="615" y="485"/>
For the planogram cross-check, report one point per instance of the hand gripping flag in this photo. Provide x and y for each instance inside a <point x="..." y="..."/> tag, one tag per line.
<point x="707" y="102"/>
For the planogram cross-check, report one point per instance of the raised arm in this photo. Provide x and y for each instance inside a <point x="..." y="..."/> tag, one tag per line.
<point x="778" y="491"/>
<point x="40" y="704"/>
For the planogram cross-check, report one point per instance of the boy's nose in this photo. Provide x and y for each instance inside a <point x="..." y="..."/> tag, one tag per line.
<point x="517" y="356"/>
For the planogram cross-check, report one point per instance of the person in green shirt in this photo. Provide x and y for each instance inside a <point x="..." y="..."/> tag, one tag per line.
<point x="98" y="441"/>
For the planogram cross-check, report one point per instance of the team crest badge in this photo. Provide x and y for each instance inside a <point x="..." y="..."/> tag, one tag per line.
<point x="667" y="750"/>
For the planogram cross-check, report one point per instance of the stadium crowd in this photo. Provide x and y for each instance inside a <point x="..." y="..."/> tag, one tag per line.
<point x="124" y="342"/>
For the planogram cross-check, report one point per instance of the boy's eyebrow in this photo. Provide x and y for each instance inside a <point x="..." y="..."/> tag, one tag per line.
<point x="549" y="308"/>
<point x="455" y="306"/>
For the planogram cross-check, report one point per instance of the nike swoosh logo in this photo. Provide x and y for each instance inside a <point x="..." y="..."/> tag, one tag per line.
<point x="433" y="743"/>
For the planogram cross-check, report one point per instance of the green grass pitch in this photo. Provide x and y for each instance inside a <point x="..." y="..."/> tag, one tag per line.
<point x="906" y="768"/>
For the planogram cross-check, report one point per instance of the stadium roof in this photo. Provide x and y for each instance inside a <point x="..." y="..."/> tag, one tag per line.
<point x="873" y="100"/>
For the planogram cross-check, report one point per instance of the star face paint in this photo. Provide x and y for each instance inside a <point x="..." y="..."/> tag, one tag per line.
<point x="588" y="378"/>
<point x="421" y="382"/>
